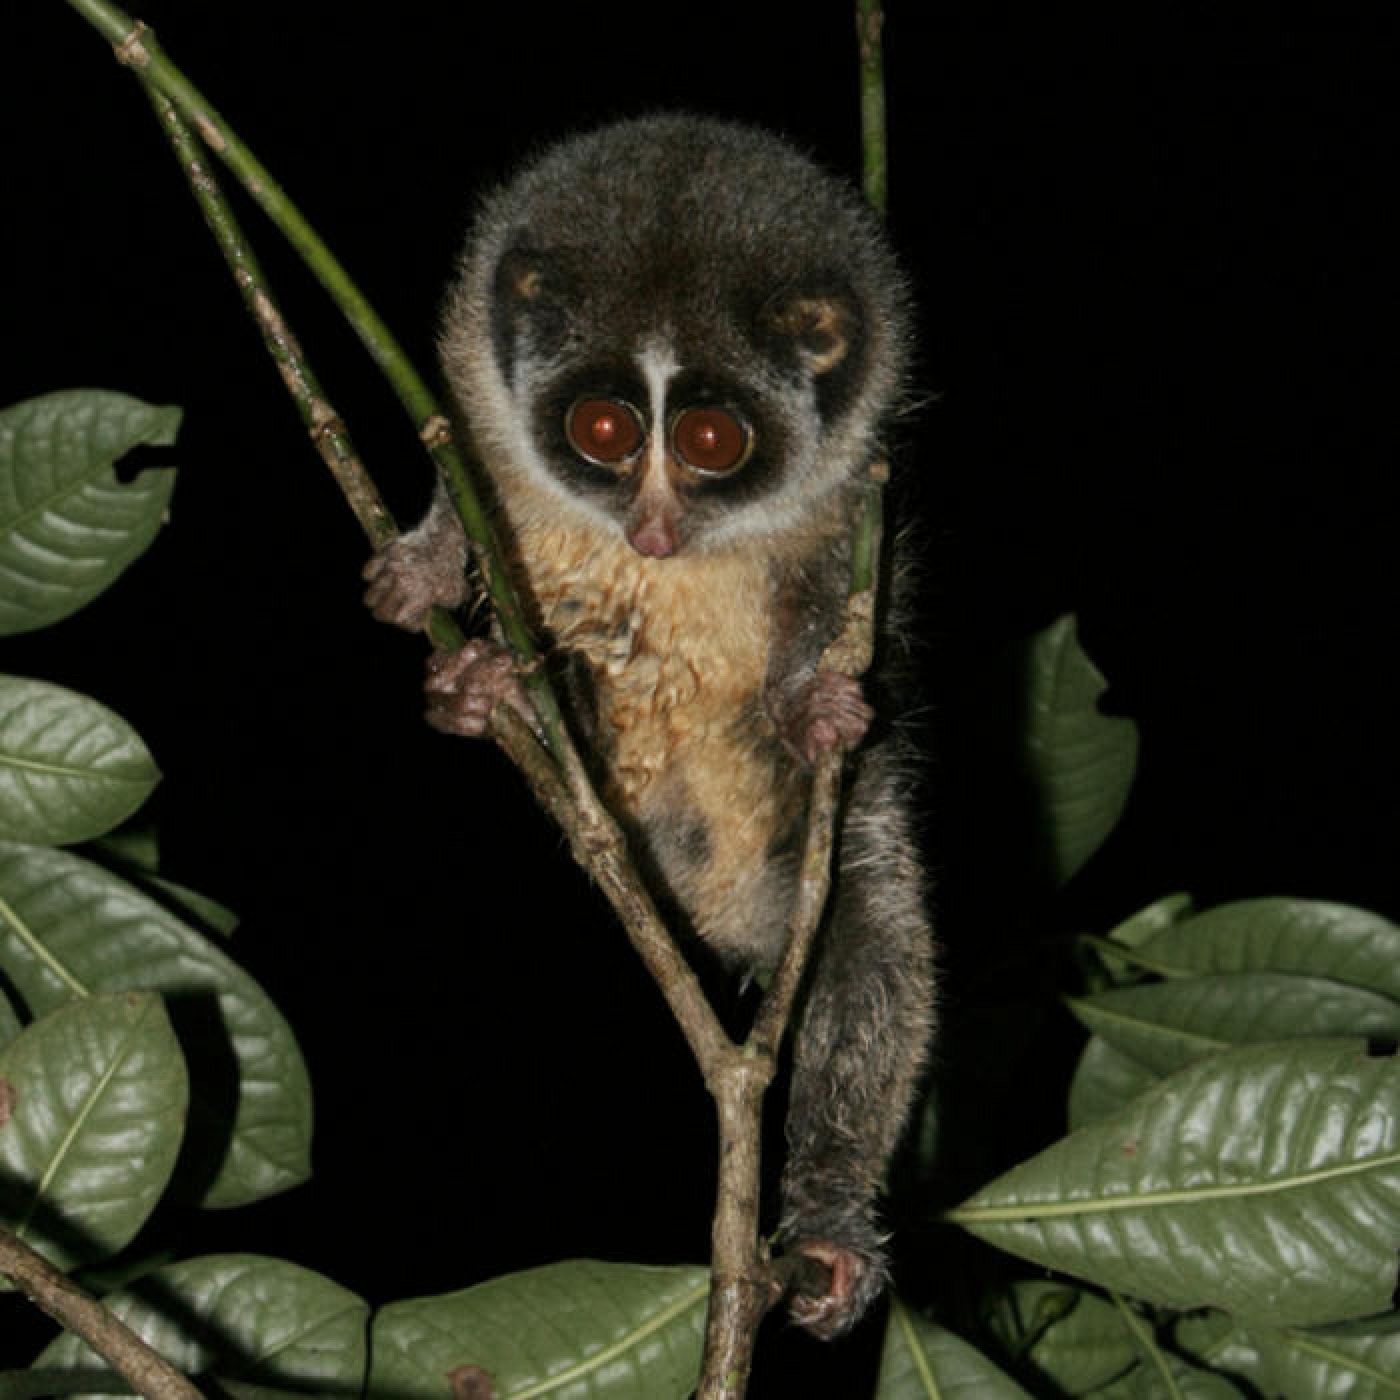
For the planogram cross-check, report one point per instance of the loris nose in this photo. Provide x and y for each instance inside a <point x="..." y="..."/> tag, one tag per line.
<point x="654" y="537"/>
<point x="653" y="523"/>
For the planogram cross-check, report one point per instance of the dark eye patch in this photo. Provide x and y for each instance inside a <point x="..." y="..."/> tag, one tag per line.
<point x="765" y="441"/>
<point x="553" y="414"/>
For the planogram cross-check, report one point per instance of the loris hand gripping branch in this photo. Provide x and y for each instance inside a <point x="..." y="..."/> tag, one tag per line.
<point x="675" y="342"/>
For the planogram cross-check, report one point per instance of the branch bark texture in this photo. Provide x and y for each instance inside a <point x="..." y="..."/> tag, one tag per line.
<point x="149" y="1373"/>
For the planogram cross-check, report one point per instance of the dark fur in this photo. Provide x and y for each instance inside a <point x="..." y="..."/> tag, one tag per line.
<point x="765" y="286"/>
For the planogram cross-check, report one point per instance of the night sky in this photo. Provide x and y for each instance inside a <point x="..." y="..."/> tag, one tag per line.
<point x="1155" y="273"/>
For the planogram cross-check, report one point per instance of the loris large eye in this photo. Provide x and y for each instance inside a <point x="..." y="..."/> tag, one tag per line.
<point x="711" y="439"/>
<point x="606" y="431"/>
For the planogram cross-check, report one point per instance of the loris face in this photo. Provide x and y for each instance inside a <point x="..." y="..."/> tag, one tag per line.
<point x="679" y="436"/>
<point x="681" y="329"/>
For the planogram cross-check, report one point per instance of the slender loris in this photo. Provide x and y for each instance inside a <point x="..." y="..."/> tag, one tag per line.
<point x="675" y="343"/>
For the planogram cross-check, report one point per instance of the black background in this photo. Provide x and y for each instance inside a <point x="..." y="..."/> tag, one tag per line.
<point x="1158" y="310"/>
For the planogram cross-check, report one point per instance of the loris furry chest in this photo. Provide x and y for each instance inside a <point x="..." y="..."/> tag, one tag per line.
<point x="676" y="652"/>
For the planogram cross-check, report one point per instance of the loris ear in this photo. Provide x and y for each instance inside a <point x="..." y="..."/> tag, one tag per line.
<point x="821" y="327"/>
<point x="530" y="290"/>
<point x="520" y="276"/>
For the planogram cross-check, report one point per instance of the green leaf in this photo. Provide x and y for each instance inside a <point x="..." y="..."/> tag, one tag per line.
<point x="1356" y="1361"/>
<point x="70" y="769"/>
<point x="1350" y="1361"/>
<point x="133" y="853"/>
<point x="1264" y="1180"/>
<point x="1081" y="760"/>
<point x="1168" y="1377"/>
<point x="1162" y="1376"/>
<point x="68" y="926"/>
<point x="92" y="1110"/>
<point x="1147" y="923"/>
<point x="1105" y="1080"/>
<point x="10" y="1024"/>
<point x="200" y="909"/>
<point x="922" y="1360"/>
<point x="245" y="1317"/>
<point x="581" y="1329"/>
<point x="21" y="1385"/>
<point x="1076" y="1340"/>
<point x="1134" y="931"/>
<point x="1165" y="1025"/>
<point x="1283" y="935"/>
<point x="246" y="1390"/>
<point x="133" y="847"/>
<point x="1214" y="1339"/>
<point x="68" y="527"/>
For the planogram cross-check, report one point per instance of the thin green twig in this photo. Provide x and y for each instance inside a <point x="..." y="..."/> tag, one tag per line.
<point x="870" y="22"/>
<point x="325" y="426"/>
<point x="136" y="46"/>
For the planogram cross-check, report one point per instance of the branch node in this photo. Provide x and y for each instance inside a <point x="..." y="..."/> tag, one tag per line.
<point x="325" y="421"/>
<point x="850" y="651"/>
<point x="132" y="52"/>
<point x="211" y="135"/>
<point x="436" y="431"/>
<point x="868" y="30"/>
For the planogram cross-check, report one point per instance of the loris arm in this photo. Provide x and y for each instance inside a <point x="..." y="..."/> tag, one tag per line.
<point x="813" y="708"/>
<point x="427" y="568"/>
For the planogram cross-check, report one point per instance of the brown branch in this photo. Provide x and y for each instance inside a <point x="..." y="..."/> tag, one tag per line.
<point x="149" y="1373"/>
<point x="601" y="848"/>
<point x="813" y="886"/>
<point x="744" y="1282"/>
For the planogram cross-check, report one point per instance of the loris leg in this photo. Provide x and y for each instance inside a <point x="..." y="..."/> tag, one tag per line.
<point x="860" y="1047"/>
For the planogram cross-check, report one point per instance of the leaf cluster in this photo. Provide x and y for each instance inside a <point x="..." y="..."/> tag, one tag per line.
<point x="1223" y="1217"/>
<point x="139" y="1064"/>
